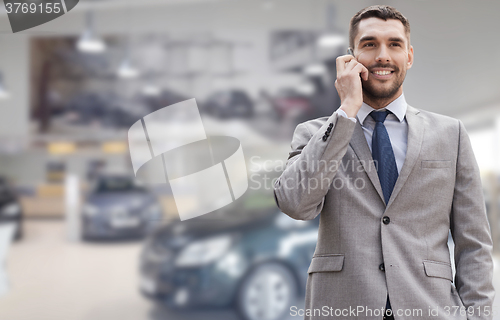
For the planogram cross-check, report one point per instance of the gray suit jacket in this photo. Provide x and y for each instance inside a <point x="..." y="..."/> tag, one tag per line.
<point x="438" y="189"/>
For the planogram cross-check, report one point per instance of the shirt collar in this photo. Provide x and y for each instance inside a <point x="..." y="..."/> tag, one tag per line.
<point x="397" y="107"/>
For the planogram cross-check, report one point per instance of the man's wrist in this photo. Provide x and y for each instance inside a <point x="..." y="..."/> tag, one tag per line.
<point x="349" y="110"/>
<point x="343" y="114"/>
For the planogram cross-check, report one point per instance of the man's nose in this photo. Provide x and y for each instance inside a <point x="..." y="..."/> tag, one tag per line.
<point x="383" y="55"/>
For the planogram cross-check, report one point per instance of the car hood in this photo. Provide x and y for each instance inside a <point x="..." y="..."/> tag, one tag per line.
<point x="172" y="234"/>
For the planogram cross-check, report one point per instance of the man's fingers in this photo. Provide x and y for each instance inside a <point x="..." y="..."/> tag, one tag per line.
<point x="348" y="63"/>
<point x="341" y="61"/>
<point x="351" y="65"/>
<point x="361" y="69"/>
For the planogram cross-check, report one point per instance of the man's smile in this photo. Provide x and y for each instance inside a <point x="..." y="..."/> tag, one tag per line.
<point x="382" y="73"/>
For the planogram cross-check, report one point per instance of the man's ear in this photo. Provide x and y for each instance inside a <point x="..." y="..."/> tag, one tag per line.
<point x="410" y="58"/>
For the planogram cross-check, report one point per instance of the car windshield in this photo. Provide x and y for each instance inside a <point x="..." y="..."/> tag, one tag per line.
<point x="118" y="184"/>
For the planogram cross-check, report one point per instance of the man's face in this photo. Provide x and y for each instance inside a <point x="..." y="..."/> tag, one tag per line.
<point x="382" y="47"/>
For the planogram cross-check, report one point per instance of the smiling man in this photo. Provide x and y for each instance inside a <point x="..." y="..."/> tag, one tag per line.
<point x="390" y="181"/>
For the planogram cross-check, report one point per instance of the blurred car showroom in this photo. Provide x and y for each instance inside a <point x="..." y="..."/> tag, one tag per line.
<point x="83" y="238"/>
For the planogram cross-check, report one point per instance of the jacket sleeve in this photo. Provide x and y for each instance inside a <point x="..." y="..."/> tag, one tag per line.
<point x="312" y="165"/>
<point x="471" y="233"/>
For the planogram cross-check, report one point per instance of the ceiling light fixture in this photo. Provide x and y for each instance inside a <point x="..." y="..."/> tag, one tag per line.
<point x="151" y="91"/>
<point x="126" y="69"/>
<point x="330" y="41"/>
<point x="317" y="69"/>
<point x="89" y="42"/>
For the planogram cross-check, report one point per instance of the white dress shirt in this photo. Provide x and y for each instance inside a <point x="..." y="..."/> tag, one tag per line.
<point x="395" y="123"/>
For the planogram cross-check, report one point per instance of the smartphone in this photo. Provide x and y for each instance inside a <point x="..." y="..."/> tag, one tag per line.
<point x="349" y="51"/>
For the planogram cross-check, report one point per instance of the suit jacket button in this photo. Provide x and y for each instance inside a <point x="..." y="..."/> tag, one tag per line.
<point x="330" y="125"/>
<point x="381" y="267"/>
<point x="329" y="129"/>
<point x="325" y="137"/>
<point x="386" y="220"/>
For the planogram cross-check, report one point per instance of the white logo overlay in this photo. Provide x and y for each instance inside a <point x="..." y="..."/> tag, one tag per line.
<point x="205" y="173"/>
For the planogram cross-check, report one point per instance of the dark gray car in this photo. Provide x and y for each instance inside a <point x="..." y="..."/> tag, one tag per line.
<point x="256" y="262"/>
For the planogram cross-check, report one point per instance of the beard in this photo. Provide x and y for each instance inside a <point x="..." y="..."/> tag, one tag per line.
<point x="374" y="93"/>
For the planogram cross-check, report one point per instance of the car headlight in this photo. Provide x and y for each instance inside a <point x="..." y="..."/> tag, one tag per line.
<point x="11" y="210"/>
<point x="90" y="210"/>
<point x="203" y="252"/>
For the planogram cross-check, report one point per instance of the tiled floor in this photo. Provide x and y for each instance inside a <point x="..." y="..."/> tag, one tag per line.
<point x="55" y="279"/>
<point x="52" y="278"/>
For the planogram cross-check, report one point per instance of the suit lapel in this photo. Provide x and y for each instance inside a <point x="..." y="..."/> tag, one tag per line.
<point x="415" y="137"/>
<point x="360" y="146"/>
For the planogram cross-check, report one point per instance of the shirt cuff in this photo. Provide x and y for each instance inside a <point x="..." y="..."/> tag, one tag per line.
<point x="343" y="114"/>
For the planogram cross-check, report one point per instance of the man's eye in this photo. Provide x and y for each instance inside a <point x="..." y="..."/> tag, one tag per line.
<point x="396" y="44"/>
<point x="368" y="45"/>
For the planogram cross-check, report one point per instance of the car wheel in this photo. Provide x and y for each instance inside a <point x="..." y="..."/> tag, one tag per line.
<point x="267" y="293"/>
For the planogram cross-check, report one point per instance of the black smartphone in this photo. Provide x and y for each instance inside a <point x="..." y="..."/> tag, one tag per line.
<point x="349" y="51"/>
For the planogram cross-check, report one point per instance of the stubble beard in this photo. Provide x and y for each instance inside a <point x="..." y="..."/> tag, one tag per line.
<point x="376" y="94"/>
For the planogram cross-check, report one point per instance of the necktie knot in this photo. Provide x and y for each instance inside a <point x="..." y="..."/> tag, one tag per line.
<point x="379" y="116"/>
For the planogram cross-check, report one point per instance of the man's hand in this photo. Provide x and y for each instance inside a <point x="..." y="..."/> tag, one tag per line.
<point x="348" y="84"/>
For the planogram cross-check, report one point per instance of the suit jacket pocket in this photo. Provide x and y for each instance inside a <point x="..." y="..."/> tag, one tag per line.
<point x="438" y="269"/>
<point x="326" y="263"/>
<point x="436" y="164"/>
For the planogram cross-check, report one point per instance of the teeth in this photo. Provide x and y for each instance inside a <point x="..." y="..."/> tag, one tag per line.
<point x="382" y="73"/>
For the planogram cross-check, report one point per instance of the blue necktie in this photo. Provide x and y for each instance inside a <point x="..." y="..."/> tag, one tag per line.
<point x="383" y="155"/>
<point x="386" y="161"/>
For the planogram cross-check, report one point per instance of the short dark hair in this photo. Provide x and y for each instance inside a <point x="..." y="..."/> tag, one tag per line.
<point x="378" y="11"/>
